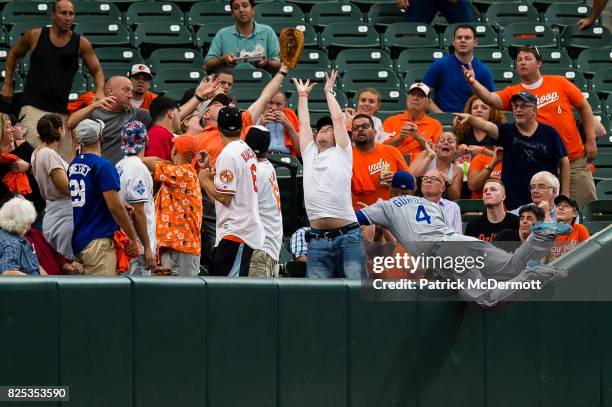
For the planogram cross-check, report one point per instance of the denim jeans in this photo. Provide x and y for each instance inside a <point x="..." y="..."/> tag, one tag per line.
<point x="424" y="11"/>
<point x="341" y="256"/>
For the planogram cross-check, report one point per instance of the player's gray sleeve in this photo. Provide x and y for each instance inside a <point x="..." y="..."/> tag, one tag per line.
<point x="378" y="214"/>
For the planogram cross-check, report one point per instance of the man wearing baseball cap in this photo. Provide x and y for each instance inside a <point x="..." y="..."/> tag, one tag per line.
<point x="97" y="208"/>
<point x="412" y="128"/>
<point x="264" y="262"/>
<point x="178" y="207"/>
<point x="137" y="190"/>
<point x="233" y="187"/>
<point x="529" y="147"/>
<point x="141" y="78"/>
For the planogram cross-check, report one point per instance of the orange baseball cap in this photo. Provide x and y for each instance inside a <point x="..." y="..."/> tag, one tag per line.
<point x="185" y="144"/>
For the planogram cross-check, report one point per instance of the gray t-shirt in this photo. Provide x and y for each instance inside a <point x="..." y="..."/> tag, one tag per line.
<point x="114" y="121"/>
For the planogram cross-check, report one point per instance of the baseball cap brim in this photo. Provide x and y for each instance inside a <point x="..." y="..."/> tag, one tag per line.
<point x="324" y="121"/>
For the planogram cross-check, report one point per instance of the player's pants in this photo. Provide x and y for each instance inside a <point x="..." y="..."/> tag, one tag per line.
<point x="498" y="264"/>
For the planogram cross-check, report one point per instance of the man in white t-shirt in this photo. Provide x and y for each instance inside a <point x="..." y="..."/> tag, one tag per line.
<point x="335" y="242"/>
<point x="264" y="262"/>
<point x="233" y="188"/>
<point x="137" y="190"/>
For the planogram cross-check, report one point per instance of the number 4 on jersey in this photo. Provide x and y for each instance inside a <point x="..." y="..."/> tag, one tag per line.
<point x="422" y="216"/>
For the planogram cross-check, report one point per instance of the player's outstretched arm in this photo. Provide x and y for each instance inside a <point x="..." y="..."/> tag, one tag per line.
<point x="303" y="89"/>
<point x="335" y="111"/>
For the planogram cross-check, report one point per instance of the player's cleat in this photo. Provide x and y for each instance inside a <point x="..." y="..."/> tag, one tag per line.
<point x="545" y="270"/>
<point x="557" y="228"/>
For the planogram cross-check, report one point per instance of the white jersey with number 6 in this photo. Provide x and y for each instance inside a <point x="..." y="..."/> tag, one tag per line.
<point x="270" y="208"/>
<point x="236" y="174"/>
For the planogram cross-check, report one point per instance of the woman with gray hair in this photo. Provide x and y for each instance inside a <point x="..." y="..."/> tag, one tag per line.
<point x="16" y="254"/>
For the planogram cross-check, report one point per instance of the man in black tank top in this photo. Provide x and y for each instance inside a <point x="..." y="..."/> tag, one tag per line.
<point x="54" y="61"/>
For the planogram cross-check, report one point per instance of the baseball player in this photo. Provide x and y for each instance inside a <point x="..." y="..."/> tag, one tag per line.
<point x="421" y="227"/>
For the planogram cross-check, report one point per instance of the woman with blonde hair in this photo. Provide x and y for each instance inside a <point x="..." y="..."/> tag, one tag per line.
<point x="49" y="169"/>
<point x="476" y="141"/>
<point x="368" y="103"/>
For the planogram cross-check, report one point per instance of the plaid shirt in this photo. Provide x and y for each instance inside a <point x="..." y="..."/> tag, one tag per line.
<point x="16" y="253"/>
<point x="297" y="245"/>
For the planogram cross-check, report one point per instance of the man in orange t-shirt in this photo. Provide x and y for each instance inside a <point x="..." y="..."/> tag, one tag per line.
<point x="566" y="210"/>
<point x="482" y="168"/>
<point x="369" y="159"/>
<point x="556" y="98"/>
<point x="412" y="128"/>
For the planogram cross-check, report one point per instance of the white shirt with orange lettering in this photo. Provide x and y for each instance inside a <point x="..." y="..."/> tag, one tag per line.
<point x="236" y="174"/>
<point x="270" y="208"/>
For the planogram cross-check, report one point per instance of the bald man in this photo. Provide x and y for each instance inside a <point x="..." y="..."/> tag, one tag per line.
<point x="54" y="60"/>
<point x="115" y="110"/>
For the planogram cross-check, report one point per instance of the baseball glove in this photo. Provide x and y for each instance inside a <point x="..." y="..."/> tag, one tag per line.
<point x="291" y="41"/>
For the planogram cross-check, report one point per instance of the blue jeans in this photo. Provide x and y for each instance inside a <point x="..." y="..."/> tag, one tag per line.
<point x="341" y="256"/>
<point x="424" y="11"/>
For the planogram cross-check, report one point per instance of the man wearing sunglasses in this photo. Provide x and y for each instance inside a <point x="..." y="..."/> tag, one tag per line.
<point x="556" y="97"/>
<point x="529" y="147"/>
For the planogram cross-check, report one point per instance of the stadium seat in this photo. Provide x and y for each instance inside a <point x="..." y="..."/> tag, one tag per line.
<point x="606" y="121"/>
<point x="175" y="78"/>
<point x="604" y="189"/>
<point x="575" y="41"/>
<point x="115" y="57"/>
<point x="470" y="208"/>
<point x="384" y="14"/>
<point x="355" y="79"/>
<point x="26" y="12"/>
<point x="86" y="11"/>
<point x="17" y="81"/>
<point x="483" y="5"/>
<point x="288" y="14"/>
<point x="317" y="102"/>
<point x="206" y="33"/>
<point x="314" y="59"/>
<point x="311" y="39"/>
<point x="503" y="77"/>
<point x="162" y="34"/>
<point x="417" y="58"/>
<point x="252" y="78"/>
<point x="600" y="210"/>
<point x="245" y="96"/>
<point x="3" y="36"/>
<point x="494" y="58"/>
<point x="314" y="74"/>
<point x="594" y="101"/>
<point x="105" y="34"/>
<point x="602" y="81"/>
<point x="18" y="29"/>
<point x="205" y="12"/>
<point x="79" y="85"/>
<point x="508" y="13"/>
<point x="349" y="35"/>
<point x="486" y="35"/>
<point x="543" y="5"/>
<point x="591" y="60"/>
<point x="175" y="58"/>
<point x="570" y="74"/>
<point x="596" y="226"/>
<point x="524" y="34"/>
<point x="362" y="58"/>
<point x="603" y="165"/>
<point x="323" y="14"/>
<point x="412" y="76"/>
<point x="153" y="11"/>
<point x="176" y="93"/>
<point x="392" y="100"/>
<point x="563" y="14"/>
<point x="446" y="119"/>
<point x="555" y="58"/>
<point x="400" y="36"/>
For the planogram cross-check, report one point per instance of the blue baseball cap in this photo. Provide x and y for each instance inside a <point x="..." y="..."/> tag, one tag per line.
<point x="403" y="180"/>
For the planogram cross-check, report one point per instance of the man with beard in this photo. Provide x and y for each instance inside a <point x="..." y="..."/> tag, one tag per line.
<point x="373" y="164"/>
<point x="141" y="78"/>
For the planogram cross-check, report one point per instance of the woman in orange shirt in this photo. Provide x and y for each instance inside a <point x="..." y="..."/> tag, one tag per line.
<point x="566" y="210"/>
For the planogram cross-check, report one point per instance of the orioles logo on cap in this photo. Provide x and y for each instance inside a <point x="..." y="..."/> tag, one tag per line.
<point x="226" y="176"/>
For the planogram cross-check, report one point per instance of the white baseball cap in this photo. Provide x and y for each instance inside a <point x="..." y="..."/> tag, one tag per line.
<point x="88" y="131"/>
<point x="140" y="68"/>
<point x="420" y="85"/>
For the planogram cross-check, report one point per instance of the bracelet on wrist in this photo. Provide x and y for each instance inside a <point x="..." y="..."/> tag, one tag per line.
<point x="283" y="73"/>
<point x="330" y="91"/>
<point x="199" y="98"/>
<point x="302" y="94"/>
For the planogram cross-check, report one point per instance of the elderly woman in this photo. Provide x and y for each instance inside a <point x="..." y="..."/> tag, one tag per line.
<point x="16" y="254"/>
<point x="441" y="157"/>
<point x="476" y="141"/>
<point x="50" y="172"/>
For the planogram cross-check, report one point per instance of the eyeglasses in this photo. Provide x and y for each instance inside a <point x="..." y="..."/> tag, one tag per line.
<point x="538" y="187"/>
<point x="364" y="126"/>
<point x="431" y="179"/>
<point x="522" y="106"/>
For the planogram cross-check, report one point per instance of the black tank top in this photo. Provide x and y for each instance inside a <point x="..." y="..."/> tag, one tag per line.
<point x="51" y="73"/>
